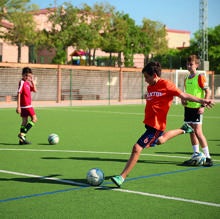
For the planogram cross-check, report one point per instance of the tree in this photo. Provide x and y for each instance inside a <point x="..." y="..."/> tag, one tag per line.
<point x="214" y="49"/>
<point x="156" y="32"/>
<point x="8" y="6"/>
<point x="22" y="31"/>
<point x="124" y="36"/>
<point x="114" y="35"/>
<point x="94" y="20"/>
<point x="64" y="21"/>
<point x="137" y="41"/>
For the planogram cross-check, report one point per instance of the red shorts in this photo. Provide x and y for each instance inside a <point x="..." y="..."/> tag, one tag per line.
<point x="25" y="112"/>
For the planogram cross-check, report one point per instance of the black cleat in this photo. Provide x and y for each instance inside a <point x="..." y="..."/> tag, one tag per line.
<point x="189" y="162"/>
<point x="22" y="140"/>
<point x="208" y="162"/>
<point x="21" y="137"/>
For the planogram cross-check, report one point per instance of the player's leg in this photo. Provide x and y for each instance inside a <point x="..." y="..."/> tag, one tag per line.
<point x="32" y="114"/>
<point x="135" y="154"/>
<point x="173" y="133"/>
<point x="203" y="142"/>
<point x="149" y="138"/>
<point x="31" y="123"/>
<point x="22" y="134"/>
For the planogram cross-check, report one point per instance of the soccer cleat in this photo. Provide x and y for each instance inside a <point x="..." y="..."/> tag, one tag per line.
<point x="24" y="142"/>
<point x="190" y="162"/>
<point x="22" y="139"/>
<point x="117" y="180"/>
<point x="208" y="162"/>
<point x="187" y="128"/>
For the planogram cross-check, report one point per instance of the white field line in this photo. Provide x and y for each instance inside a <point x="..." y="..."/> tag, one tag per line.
<point x="82" y="109"/>
<point x="168" y="197"/>
<point x="117" y="190"/>
<point x="91" y="152"/>
<point x="43" y="177"/>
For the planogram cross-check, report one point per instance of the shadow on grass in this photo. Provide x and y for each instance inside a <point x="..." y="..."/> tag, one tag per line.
<point x="46" y="181"/>
<point x="43" y="180"/>
<point x="12" y="144"/>
<point x="111" y="160"/>
<point x="185" y="153"/>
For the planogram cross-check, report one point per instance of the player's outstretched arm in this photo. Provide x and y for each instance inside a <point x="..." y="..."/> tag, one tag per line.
<point x="205" y="102"/>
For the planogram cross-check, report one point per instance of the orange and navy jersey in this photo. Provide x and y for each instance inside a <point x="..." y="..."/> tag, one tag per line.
<point x="158" y="101"/>
<point x="24" y="88"/>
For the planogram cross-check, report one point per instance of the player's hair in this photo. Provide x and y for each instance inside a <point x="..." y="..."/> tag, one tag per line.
<point x="151" y="68"/>
<point x="26" y="70"/>
<point x="193" y="58"/>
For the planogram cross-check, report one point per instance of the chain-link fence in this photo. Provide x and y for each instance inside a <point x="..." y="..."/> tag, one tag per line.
<point x="77" y="83"/>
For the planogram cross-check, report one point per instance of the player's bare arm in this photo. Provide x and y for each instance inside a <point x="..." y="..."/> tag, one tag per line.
<point x="205" y="102"/>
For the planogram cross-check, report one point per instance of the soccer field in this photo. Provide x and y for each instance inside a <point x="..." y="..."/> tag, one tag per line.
<point x="49" y="181"/>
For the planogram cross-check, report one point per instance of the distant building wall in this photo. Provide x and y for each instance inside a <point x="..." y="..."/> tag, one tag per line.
<point x="10" y="53"/>
<point x="176" y="39"/>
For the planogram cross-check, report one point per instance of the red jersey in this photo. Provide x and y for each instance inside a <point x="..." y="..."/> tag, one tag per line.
<point x="158" y="101"/>
<point x="24" y="88"/>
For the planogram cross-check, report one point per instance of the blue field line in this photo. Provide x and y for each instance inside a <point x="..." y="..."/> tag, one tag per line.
<point x="165" y="173"/>
<point x="103" y="185"/>
<point x="168" y="173"/>
<point x="41" y="194"/>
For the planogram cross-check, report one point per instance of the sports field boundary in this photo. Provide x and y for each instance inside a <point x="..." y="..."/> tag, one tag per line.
<point x="83" y="186"/>
<point x="91" y="152"/>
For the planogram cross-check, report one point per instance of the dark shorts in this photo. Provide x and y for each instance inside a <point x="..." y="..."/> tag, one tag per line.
<point x="150" y="137"/>
<point x="191" y="115"/>
<point x="25" y="112"/>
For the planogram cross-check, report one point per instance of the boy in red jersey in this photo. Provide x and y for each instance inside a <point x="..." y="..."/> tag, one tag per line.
<point x="24" y="107"/>
<point x="159" y="98"/>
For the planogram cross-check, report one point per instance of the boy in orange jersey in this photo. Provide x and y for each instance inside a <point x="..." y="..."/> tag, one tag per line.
<point x="159" y="98"/>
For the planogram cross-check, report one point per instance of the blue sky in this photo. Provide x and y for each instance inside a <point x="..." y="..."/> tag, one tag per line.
<point x="175" y="14"/>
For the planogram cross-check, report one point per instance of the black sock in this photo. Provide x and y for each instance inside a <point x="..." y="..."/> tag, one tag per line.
<point x="23" y="129"/>
<point x="29" y="126"/>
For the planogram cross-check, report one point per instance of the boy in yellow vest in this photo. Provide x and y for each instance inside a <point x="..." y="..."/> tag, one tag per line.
<point x="195" y="84"/>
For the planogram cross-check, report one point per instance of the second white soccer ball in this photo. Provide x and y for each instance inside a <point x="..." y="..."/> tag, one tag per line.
<point x="95" y="177"/>
<point x="198" y="159"/>
<point x="53" y="139"/>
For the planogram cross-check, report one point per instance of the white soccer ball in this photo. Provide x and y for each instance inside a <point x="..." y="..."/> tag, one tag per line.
<point x="53" y="139"/>
<point x="198" y="159"/>
<point x="95" y="177"/>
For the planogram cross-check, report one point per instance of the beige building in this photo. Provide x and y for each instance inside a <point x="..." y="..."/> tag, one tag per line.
<point x="178" y="38"/>
<point x="8" y="53"/>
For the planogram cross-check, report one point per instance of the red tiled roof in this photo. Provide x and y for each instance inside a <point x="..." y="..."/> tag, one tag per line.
<point x="178" y="31"/>
<point x="43" y="11"/>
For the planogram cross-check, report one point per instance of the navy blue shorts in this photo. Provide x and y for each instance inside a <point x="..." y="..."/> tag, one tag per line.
<point x="150" y="137"/>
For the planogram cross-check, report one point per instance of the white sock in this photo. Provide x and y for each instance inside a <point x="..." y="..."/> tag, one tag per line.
<point x="195" y="148"/>
<point x="206" y="151"/>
